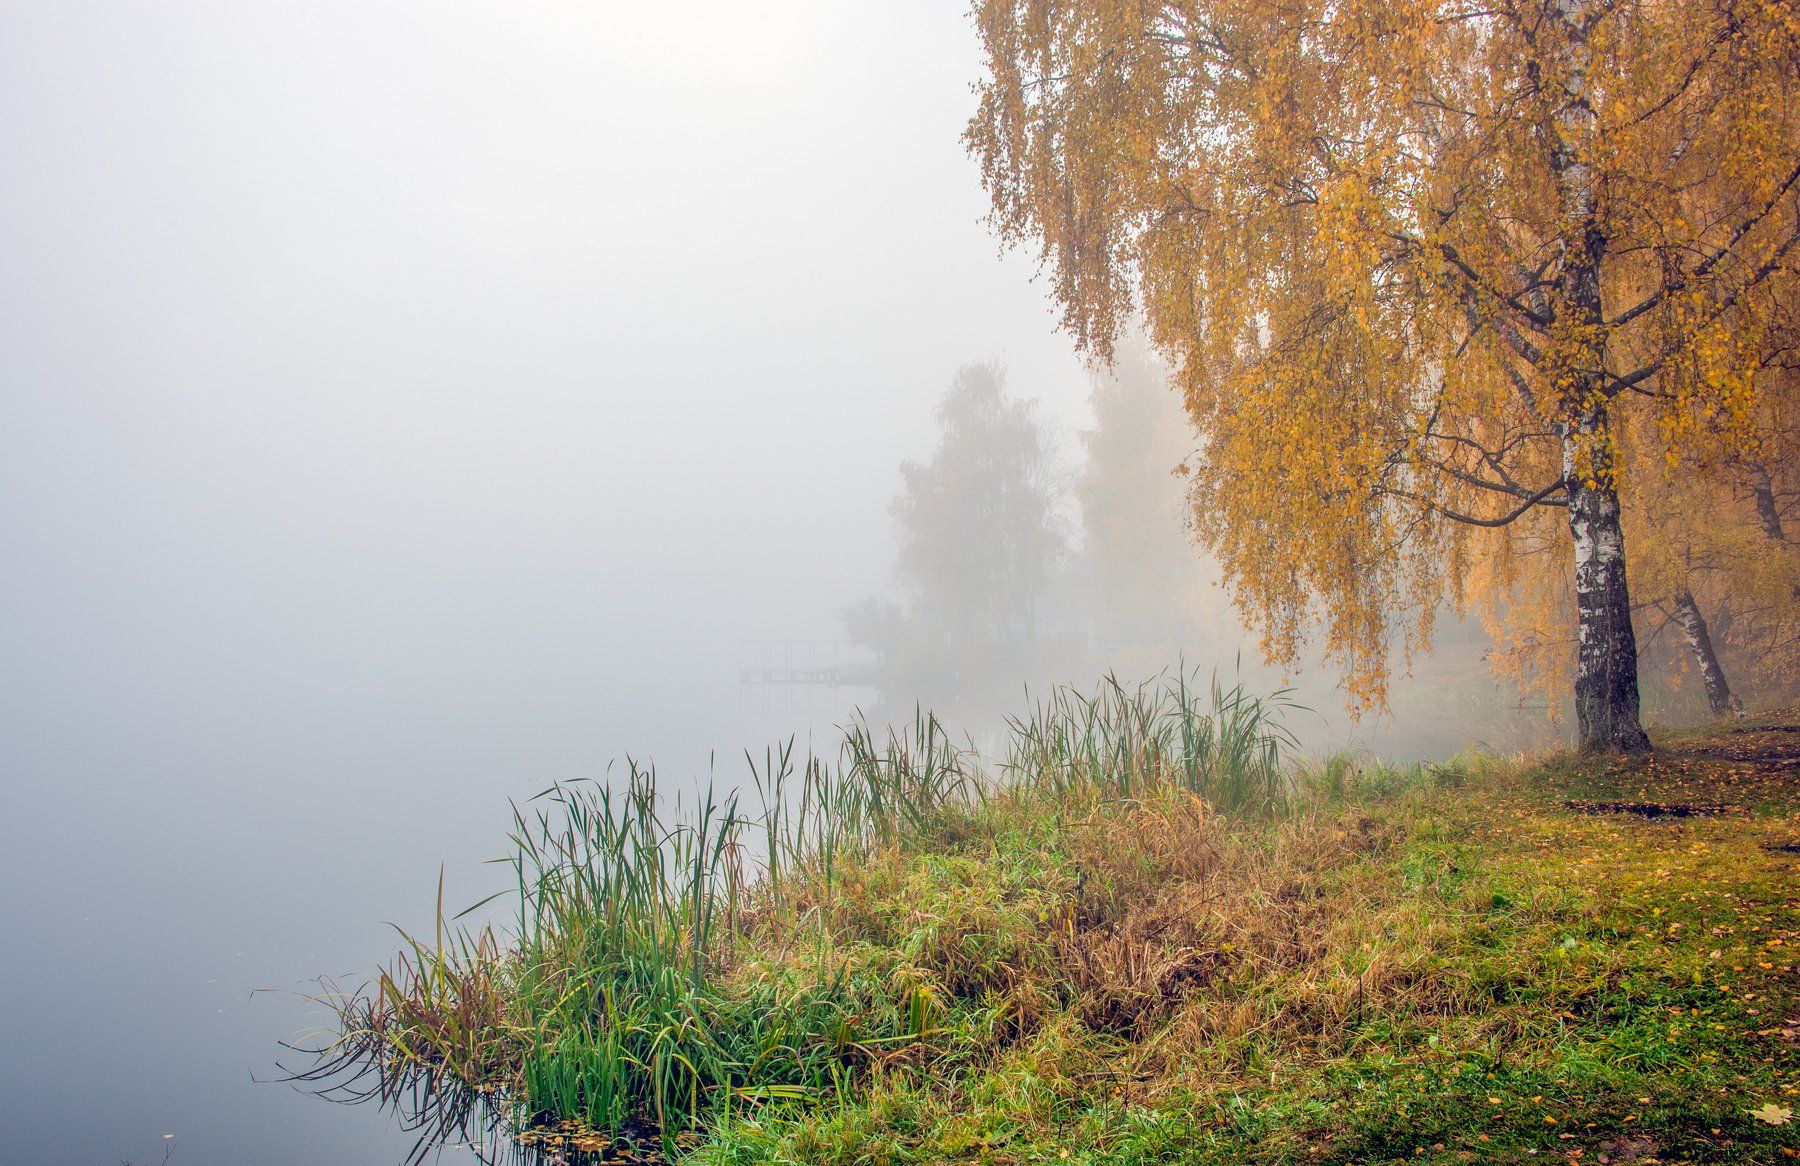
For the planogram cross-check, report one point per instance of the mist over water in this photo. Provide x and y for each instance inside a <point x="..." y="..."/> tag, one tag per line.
<point x="403" y="407"/>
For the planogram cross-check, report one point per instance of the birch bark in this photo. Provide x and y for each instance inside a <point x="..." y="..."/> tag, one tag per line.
<point x="1606" y="684"/>
<point x="1699" y="637"/>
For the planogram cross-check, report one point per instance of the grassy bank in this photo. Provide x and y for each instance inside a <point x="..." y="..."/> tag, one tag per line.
<point x="1140" y="935"/>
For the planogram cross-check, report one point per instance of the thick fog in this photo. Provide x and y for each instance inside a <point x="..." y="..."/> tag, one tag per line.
<point x="403" y="406"/>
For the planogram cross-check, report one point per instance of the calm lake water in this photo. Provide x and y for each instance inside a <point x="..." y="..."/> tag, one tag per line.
<point x="170" y="852"/>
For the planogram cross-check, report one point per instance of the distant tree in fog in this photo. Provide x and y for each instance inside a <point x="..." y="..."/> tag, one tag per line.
<point x="1138" y="564"/>
<point x="977" y="523"/>
<point x="877" y="623"/>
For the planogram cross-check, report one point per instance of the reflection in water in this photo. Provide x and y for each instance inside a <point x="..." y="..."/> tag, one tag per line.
<point x="445" y="1113"/>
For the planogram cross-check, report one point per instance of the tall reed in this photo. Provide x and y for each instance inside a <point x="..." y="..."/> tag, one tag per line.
<point x="1121" y="742"/>
<point x="613" y="1002"/>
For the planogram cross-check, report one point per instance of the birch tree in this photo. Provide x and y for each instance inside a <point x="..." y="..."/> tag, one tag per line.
<point x="1420" y="265"/>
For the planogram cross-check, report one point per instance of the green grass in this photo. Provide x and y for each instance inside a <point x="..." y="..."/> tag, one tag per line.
<point x="1143" y="934"/>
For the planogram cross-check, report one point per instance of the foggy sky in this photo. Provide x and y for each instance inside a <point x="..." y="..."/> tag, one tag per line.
<point x="401" y="406"/>
<point x="445" y="347"/>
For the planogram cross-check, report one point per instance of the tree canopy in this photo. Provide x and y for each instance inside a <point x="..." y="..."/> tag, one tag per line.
<point x="978" y="529"/>
<point x="1426" y="272"/>
<point x="1136" y="561"/>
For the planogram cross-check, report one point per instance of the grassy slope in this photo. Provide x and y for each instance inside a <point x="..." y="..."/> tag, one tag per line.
<point x="1449" y="968"/>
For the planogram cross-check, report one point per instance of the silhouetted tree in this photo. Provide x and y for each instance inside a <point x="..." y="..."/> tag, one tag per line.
<point x="978" y="531"/>
<point x="1139" y="567"/>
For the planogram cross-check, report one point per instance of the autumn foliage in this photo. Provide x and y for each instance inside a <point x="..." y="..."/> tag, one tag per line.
<point x="1488" y="302"/>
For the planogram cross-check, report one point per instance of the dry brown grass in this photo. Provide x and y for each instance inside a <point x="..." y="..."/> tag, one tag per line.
<point x="1176" y="905"/>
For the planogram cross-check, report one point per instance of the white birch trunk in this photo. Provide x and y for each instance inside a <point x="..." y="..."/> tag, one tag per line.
<point x="1606" y="685"/>
<point x="1699" y="637"/>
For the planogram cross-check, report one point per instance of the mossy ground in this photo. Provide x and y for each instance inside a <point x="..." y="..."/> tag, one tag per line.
<point x="1447" y="965"/>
